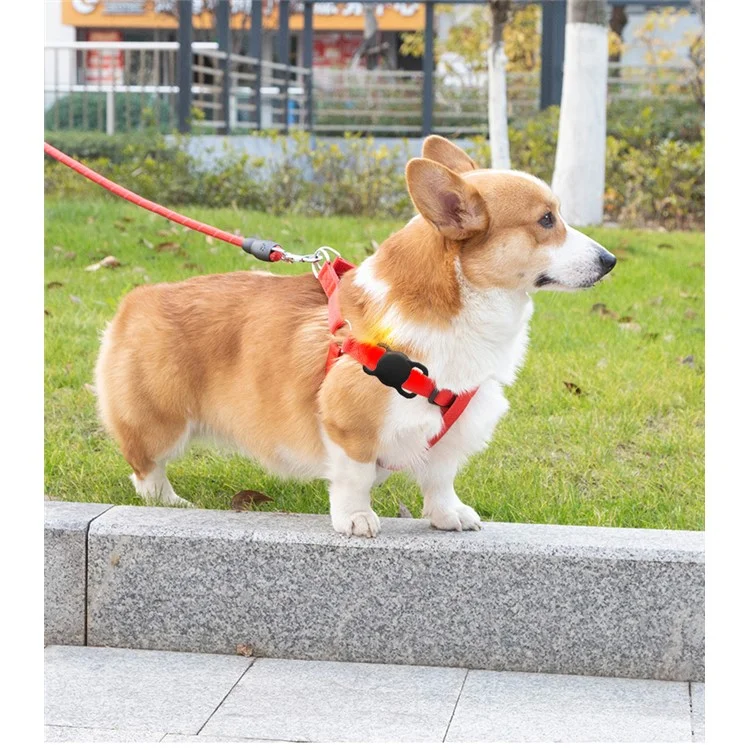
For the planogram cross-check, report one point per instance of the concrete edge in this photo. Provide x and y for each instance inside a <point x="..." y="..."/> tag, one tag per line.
<point x="634" y="596"/>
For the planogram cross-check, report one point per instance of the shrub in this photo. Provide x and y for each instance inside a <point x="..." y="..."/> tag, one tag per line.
<point x="651" y="180"/>
<point x="88" y="112"/>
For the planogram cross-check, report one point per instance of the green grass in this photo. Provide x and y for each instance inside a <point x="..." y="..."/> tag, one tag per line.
<point x="626" y="451"/>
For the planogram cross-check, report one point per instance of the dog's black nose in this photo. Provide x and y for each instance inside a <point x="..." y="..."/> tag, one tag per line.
<point x="606" y="261"/>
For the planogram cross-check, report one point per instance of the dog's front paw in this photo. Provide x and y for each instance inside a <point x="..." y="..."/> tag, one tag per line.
<point x="360" y="523"/>
<point x="456" y="518"/>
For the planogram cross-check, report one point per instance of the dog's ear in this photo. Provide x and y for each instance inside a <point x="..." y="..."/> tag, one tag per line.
<point x="444" y="152"/>
<point x="453" y="206"/>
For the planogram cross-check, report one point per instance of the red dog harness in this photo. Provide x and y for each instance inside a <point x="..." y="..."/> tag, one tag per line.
<point x="392" y="368"/>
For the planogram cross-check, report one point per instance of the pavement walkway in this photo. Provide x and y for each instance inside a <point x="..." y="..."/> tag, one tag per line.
<point x="120" y="695"/>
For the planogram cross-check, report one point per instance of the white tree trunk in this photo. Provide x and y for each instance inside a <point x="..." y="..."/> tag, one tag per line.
<point x="498" y="105"/>
<point x="578" y="179"/>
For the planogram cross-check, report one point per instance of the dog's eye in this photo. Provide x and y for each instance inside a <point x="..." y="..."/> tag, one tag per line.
<point x="547" y="221"/>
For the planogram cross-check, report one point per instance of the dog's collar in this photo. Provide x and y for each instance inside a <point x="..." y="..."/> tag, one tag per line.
<point x="392" y="368"/>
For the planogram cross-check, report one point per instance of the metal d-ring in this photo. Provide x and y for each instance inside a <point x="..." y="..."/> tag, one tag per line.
<point x="322" y="253"/>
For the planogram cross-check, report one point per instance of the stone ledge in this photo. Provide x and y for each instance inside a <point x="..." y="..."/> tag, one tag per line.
<point x="561" y="599"/>
<point x="65" y="529"/>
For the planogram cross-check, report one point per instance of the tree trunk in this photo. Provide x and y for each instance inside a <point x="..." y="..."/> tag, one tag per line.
<point x="369" y="39"/>
<point x="497" y="105"/>
<point x="578" y="179"/>
<point x="617" y="22"/>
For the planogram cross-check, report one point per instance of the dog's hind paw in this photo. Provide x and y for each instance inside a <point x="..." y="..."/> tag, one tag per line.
<point x="457" y="518"/>
<point x="361" y="523"/>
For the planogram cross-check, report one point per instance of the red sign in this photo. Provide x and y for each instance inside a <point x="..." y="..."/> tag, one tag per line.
<point x="334" y="50"/>
<point x="104" y="66"/>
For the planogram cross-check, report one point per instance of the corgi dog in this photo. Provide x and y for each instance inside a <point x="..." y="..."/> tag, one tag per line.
<point x="241" y="356"/>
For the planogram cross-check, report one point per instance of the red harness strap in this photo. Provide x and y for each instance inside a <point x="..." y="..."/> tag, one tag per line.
<point x="452" y="405"/>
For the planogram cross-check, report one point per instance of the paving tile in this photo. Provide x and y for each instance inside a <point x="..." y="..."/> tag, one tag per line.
<point x="87" y="734"/>
<point x="523" y="707"/>
<point x="698" y="710"/>
<point x="333" y="702"/>
<point x="213" y="738"/>
<point x="104" y="688"/>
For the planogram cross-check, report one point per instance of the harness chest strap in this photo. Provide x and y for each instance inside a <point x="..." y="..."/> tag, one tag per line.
<point x="452" y="405"/>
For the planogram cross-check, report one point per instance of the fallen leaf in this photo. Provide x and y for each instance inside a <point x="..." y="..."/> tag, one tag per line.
<point x="689" y="360"/>
<point x="70" y="255"/>
<point x="119" y="225"/>
<point x="403" y="511"/>
<point x="246" y="499"/>
<point x="668" y="338"/>
<point x="58" y="248"/>
<point x="109" y="262"/>
<point x="54" y="284"/>
<point x="602" y="363"/>
<point x="90" y="220"/>
<point x="90" y="388"/>
<point x="47" y="312"/>
<point x="244" y="649"/>
<point x="149" y="245"/>
<point x="687" y="295"/>
<point x="690" y="314"/>
<point x="164" y="233"/>
<point x="209" y="239"/>
<point x="167" y="247"/>
<point x="602" y="310"/>
<point x="626" y="319"/>
<point x="573" y="388"/>
<point x="630" y="326"/>
<point x="75" y="300"/>
<point x="664" y="245"/>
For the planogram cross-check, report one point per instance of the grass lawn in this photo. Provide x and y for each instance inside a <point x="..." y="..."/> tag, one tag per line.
<point x="606" y="419"/>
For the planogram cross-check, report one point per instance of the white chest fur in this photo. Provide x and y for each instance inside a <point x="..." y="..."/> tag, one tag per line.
<point x="483" y="346"/>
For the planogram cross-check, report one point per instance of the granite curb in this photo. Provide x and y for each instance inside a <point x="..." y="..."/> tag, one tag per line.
<point x="515" y="597"/>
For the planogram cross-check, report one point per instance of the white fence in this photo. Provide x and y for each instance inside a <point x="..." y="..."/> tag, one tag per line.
<point x="125" y="86"/>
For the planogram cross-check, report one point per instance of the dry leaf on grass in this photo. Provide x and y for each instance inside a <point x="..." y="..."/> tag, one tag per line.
<point x="167" y="247"/>
<point x="602" y="310"/>
<point x="248" y="499"/>
<point x="47" y="312"/>
<point x="690" y="314"/>
<point x="54" y="284"/>
<point x="689" y="360"/>
<point x="629" y="325"/>
<point x="90" y="388"/>
<point x="109" y="262"/>
<point x="573" y="388"/>
<point x="75" y="300"/>
<point x="149" y="245"/>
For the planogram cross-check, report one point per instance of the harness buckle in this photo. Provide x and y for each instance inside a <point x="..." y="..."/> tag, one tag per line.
<point x="393" y="369"/>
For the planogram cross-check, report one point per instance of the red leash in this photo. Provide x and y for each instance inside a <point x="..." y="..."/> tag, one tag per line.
<point x="393" y="369"/>
<point x="275" y="253"/>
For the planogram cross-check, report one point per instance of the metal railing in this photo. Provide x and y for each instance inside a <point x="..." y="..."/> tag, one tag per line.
<point x="125" y="86"/>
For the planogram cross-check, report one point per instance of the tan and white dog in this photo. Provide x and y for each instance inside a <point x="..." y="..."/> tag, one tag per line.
<point x="241" y="356"/>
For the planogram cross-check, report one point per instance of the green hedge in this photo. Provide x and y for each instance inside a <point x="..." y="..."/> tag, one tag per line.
<point x="651" y="179"/>
<point x="87" y="112"/>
